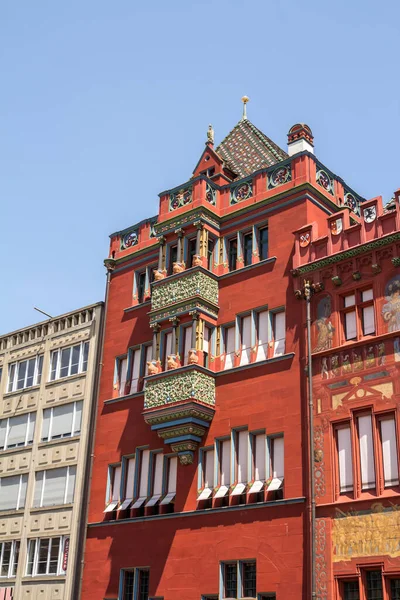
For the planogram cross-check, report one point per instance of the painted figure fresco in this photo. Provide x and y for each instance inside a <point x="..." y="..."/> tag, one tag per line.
<point x="324" y="325"/>
<point x="391" y="309"/>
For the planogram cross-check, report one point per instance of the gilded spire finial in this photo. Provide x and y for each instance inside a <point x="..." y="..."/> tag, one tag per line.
<point x="245" y="100"/>
<point x="210" y="135"/>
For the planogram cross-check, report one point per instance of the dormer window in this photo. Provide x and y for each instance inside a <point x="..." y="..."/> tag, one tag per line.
<point x="208" y="172"/>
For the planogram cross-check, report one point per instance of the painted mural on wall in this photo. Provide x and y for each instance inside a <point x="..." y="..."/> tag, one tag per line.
<point x="323" y="325"/>
<point x="391" y="308"/>
<point x="373" y="534"/>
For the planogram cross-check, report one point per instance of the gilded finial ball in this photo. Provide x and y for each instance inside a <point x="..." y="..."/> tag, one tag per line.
<point x="245" y="99"/>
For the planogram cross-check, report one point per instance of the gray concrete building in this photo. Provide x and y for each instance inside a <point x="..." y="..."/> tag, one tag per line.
<point x="48" y="388"/>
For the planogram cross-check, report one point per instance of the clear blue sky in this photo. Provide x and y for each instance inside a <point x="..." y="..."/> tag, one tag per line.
<point x="105" y="104"/>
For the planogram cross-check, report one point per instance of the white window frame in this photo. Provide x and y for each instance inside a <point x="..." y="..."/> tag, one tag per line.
<point x="14" y="366"/>
<point x="43" y="484"/>
<point x="37" y="541"/>
<point x="276" y="482"/>
<point x="65" y="435"/>
<point x="113" y="492"/>
<point x="57" y="353"/>
<point x="28" y="423"/>
<point x="13" y="553"/>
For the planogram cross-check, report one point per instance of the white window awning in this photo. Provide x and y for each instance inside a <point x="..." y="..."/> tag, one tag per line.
<point x="125" y="504"/>
<point x="222" y="491"/>
<point x="275" y="484"/>
<point x="206" y="493"/>
<point x="153" y="500"/>
<point x="138" y="503"/>
<point x="238" y="489"/>
<point x="256" y="487"/>
<point x="168" y="498"/>
<point x="111" y="506"/>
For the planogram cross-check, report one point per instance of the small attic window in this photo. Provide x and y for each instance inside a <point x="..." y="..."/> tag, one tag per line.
<point x="208" y="172"/>
<point x="206" y="158"/>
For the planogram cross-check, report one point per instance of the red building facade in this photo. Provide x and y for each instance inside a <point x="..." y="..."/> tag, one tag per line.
<point x="353" y="267"/>
<point x="200" y="474"/>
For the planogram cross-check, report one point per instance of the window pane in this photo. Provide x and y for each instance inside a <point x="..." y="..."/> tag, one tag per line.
<point x="62" y="421"/>
<point x="130" y="478"/>
<point x="173" y="466"/>
<point x="158" y="474"/>
<point x="248" y="249"/>
<point x="54" y="554"/>
<point x="44" y="544"/>
<point x="38" y="489"/>
<point x="11" y="377"/>
<point x="367" y="295"/>
<point x="351" y="591"/>
<point x="366" y="452"/>
<point x="135" y="370"/>
<point x="374" y="585"/>
<point x="262" y="350"/>
<point x="46" y="424"/>
<point x="242" y="441"/>
<point x="263" y="243"/>
<point x="209" y="469"/>
<point x="31" y="556"/>
<point x="65" y="356"/>
<point x="144" y="473"/>
<point x="3" y="431"/>
<point x="78" y="418"/>
<point x="259" y="457"/>
<point x="230" y="581"/>
<point x="22" y="496"/>
<point x="350" y="325"/>
<point x="389" y="452"/>
<point x="76" y="351"/>
<point x="395" y="589"/>
<point x="129" y="585"/>
<point x="31" y="427"/>
<point x="6" y="559"/>
<point x="39" y="370"/>
<point x="143" y="585"/>
<point x="187" y="344"/>
<point x="229" y="346"/>
<point x="54" y="361"/>
<point x="349" y="300"/>
<point x="249" y="580"/>
<point x="31" y="372"/>
<point x="15" y="559"/>
<point x="245" y="340"/>
<point x="9" y="488"/>
<point x="54" y="487"/>
<point x="345" y="459"/>
<point x="279" y="333"/>
<point x="17" y="431"/>
<point x="116" y="482"/>
<point x="85" y="356"/>
<point x="368" y="317"/>
<point x="277" y="458"/>
<point x="232" y="251"/>
<point x="71" y="485"/>
<point x="21" y="375"/>
<point x="225" y="463"/>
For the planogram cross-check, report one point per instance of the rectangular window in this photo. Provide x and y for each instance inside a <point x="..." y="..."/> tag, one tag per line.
<point x="167" y="348"/>
<point x="141" y="286"/>
<point x="186" y="343"/>
<point x="135" y="584"/>
<point x="350" y="319"/>
<point x="13" y="492"/>
<point x="232" y="254"/>
<point x="366" y="448"/>
<point x="224" y="467"/>
<point x="129" y="487"/>
<point x="245" y="340"/>
<point x="345" y="459"/>
<point x="229" y="344"/>
<point x="248" y="248"/>
<point x="191" y="251"/>
<point x="17" y="431"/>
<point x="122" y="374"/>
<point x="249" y="579"/>
<point x="368" y="313"/>
<point x="262" y="335"/>
<point x="206" y="345"/>
<point x="389" y="451"/>
<point x="9" y="554"/>
<point x="62" y="421"/>
<point x="172" y="467"/>
<point x="113" y="487"/>
<point x="351" y="590"/>
<point x="54" y="487"/>
<point x="263" y="243"/>
<point x="143" y="584"/>
<point x="395" y="589"/>
<point x="47" y="556"/>
<point x="374" y="585"/>
<point x="69" y="361"/>
<point x="210" y="254"/>
<point x="134" y="368"/>
<point x="279" y="332"/>
<point x="230" y="580"/>
<point x="277" y="463"/>
<point x="173" y="258"/>
<point x="25" y="373"/>
<point x="241" y="455"/>
<point x="207" y="468"/>
<point x="128" y="585"/>
<point x="259" y="454"/>
<point x="144" y="467"/>
<point x="156" y="478"/>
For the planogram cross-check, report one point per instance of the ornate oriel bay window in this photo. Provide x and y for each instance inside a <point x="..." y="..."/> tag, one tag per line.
<point x="180" y="405"/>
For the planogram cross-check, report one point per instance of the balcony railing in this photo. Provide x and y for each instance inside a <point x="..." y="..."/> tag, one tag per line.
<point x="171" y="386"/>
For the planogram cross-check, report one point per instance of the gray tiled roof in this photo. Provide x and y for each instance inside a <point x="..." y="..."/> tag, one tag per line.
<point x="246" y="149"/>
